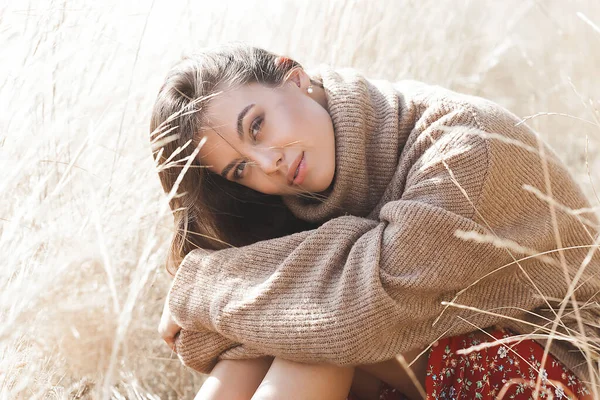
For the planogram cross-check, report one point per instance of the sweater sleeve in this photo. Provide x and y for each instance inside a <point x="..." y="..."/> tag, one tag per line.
<point x="358" y="290"/>
<point x="373" y="285"/>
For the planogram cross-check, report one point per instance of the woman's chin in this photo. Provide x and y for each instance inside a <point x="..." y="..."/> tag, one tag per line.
<point x="322" y="186"/>
<point x="310" y="186"/>
<point x="326" y="183"/>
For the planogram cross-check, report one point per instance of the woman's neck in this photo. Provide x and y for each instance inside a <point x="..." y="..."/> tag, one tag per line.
<point x="368" y="141"/>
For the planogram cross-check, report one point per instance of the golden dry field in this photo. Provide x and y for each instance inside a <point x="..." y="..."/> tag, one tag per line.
<point x="84" y="225"/>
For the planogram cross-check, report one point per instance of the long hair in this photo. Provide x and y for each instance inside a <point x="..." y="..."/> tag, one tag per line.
<point x="209" y="211"/>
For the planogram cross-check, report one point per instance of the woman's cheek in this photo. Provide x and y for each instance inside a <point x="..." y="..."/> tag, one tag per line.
<point x="274" y="188"/>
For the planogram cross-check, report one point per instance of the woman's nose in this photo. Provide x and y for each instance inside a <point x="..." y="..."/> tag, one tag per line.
<point x="269" y="160"/>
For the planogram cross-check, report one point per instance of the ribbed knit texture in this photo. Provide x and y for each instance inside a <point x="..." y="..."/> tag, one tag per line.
<point x="415" y="169"/>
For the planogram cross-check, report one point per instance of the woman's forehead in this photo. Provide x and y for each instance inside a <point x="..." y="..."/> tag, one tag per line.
<point x="224" y="112"/>
<point x="231" y="100"/>
<point x="238" y="93"/>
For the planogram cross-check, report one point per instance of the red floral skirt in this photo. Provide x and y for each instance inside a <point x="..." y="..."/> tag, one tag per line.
<point x="504" y="371"/>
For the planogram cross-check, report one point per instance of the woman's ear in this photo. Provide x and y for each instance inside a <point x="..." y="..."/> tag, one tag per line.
<point x="299" y="77"/>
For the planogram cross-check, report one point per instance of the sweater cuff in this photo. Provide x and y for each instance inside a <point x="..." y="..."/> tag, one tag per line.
<point x="201" y="350"/>
<point x="187" y="303"/>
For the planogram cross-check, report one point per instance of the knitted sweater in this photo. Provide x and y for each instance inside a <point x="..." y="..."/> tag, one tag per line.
<point x="437" y="197"/>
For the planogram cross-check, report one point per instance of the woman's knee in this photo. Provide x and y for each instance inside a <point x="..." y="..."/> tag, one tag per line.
<point x="288" y="379"/>
<point x="234" y="379"/>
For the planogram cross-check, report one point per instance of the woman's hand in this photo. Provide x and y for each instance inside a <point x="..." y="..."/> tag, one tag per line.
<point x="168" y="328"/>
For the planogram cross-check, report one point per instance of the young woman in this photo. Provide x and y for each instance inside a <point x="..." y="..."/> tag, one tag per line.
<point x="330" y="228"/>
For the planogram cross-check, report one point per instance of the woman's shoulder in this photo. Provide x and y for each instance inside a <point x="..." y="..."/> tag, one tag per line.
<point x="437" y="94"/>
<point x="488" y="114"/>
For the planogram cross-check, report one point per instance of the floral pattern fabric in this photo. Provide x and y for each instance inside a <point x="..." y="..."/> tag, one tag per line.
<point x="502" y="371"/>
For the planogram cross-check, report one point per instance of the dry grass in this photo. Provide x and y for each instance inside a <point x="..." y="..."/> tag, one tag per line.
<point x="83" y="232"/>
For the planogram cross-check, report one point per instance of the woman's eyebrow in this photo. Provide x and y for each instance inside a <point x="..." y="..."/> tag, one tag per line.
<point x="228" y="168"/>
<point x="240" y="120"/>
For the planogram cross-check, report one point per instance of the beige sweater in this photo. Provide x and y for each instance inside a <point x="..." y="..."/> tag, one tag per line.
<point x="437" y="196"/>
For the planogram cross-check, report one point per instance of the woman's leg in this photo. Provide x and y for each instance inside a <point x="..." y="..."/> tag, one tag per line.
<point x="239" y="379"/>
<point x="290" y="380"/>
<point x="234" y="379"/>
<point x="265" y="379"/>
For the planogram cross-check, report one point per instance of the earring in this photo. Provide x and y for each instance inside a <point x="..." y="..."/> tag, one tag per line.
<point x="310" y="89"/>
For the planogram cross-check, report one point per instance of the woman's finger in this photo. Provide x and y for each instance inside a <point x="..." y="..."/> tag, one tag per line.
<point x="168" y="329"/>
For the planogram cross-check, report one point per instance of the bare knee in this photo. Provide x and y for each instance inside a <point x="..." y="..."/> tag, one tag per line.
<point x="288" y="379"/>
<point x="234" y="379"/>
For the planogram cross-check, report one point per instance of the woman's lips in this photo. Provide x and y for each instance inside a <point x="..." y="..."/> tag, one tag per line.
<point x="301" y="172"/>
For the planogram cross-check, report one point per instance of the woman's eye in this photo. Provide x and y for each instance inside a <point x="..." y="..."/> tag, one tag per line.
<point x="255" y="127"/>
<point x="237" y="173"/>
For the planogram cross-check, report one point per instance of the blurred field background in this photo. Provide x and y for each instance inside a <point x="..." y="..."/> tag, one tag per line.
<point x="83" y="224"/>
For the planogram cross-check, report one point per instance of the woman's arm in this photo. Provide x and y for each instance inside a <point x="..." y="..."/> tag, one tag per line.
<point x="355" y="291"/>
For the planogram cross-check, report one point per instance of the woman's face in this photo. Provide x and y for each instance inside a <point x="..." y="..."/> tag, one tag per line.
<point x="274" y="140"/>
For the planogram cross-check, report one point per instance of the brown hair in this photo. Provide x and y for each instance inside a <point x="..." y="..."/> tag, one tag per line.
<point x="210" y="211"/>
